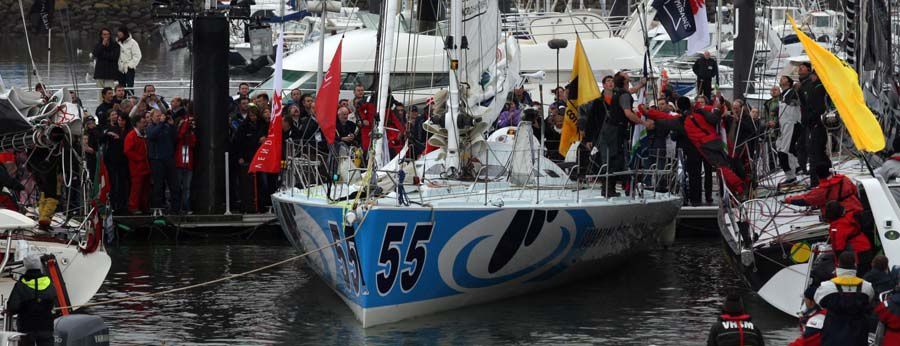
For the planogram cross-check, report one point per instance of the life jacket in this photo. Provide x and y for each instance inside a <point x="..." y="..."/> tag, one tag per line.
<point x="847" y="299"/>
<point x="38" y="284"/>
<point x="888" y="313"/>
<point x="847" y="231"/>
<point x="811" y="329"/>
<point x="616" y="112"/>
<point x="834" y="188"/>
<point x="737" y="330"/>
<point x="700" y="131"/>
<point x="365" y="112"/>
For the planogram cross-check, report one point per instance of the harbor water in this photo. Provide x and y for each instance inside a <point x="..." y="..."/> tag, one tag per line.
<point x="667" y="297"/>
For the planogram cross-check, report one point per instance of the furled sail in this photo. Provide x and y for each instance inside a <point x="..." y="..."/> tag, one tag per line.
<point x="479" y="84"/>
<point x="525" y="153"/>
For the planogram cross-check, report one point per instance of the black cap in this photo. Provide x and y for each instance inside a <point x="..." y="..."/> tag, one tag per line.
<point x="847" y="260"/>
<point x="733" y="304"/>
<point x="413" y="108"/>
<point x="823" y="170"/>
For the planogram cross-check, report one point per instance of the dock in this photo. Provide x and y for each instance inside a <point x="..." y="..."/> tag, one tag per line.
<point x="698" y="213"/>
<point x="198" y="222"/>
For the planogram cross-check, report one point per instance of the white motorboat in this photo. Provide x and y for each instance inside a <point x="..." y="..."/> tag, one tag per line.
<point x="420" y="64"/>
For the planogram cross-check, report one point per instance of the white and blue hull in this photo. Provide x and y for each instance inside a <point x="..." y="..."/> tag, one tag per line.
<point x="411" y="261"/>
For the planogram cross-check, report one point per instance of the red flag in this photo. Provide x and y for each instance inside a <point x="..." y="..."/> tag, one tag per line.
<point x="268" y="157"/>
<point x="103" y="183"/>
<point x="327" y="99"/>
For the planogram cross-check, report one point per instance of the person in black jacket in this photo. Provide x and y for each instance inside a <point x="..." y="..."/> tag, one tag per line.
<point x="734" y="326"/>
<point x="107" y="104"/>
<point x="91" y="144"/>
<point x="106" y="57"/>
<point x="553" y="132"/>
<point x="847" y="299"/>
<point x="115" y="160"/>
<point x="308" y="133"/>
<point x="246" y="142"/>
<point x="417" y="135"/>
<point x="813" y="104"/>
<point x="591" y="117"/>
<point x="706" y="69"/>
<point x="31" y="301"/>
<point x="347" y="132"/>
<point x="880" y="276"/>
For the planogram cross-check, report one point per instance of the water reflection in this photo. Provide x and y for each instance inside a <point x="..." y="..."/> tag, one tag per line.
<point x="668" y="298"/>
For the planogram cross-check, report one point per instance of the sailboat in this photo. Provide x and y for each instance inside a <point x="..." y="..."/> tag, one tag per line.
<point x="472" y="222"/>
<point x="74" y="250"/>
<point x="781" y="249"/>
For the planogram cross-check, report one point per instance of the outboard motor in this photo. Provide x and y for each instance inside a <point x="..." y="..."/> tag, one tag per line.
<point x="80" y="330"/>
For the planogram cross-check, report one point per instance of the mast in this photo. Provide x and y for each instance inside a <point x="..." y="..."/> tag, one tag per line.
<point x="744" y="43"/>
<point x="386" y="52"/>
<point x="718" y="37"/>
<point x="452" y="45"/>
<point x="320" y="74"/>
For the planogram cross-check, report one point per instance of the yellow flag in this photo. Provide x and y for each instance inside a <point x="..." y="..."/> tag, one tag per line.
<point x="586" y="89"/>
<point x="842" y="84"/>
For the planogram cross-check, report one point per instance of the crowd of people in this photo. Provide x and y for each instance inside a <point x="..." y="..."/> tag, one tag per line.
<point x="148" y="148"/>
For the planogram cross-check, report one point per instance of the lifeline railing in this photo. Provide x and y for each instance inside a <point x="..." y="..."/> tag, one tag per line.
<point x="309" y="168"/>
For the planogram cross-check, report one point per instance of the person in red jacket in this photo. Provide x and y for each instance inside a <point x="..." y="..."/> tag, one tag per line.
<point x="396" y="129"/>
<point x="184" y="160"/>
<point x="846" y="234"/>
<point x="888" y="312"/>
<point x="832" y="187"/>
<point x="811" y="321"/>
<point x="138" y="166"/>
<point x="702" y="129"/>
<point x="365" y="117"/>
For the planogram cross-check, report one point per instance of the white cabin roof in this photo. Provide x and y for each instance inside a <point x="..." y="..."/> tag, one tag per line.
<point x="12" y="220"/>
<point x="425" y="54"/>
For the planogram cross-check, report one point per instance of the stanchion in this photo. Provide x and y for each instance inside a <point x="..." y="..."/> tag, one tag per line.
<point x="227" y="185"/>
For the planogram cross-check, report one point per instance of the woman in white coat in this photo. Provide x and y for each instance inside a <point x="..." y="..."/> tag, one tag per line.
<point x="129" y="58"/>
<point x="788" y="119"/>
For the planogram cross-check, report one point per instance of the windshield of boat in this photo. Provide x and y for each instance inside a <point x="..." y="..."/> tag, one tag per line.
<point x="895" y="191"/>
<point x="669" y="49"/>
<point x="306" y="80"/>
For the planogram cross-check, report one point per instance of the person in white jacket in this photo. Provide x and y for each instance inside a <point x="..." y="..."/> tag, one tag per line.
<point x="129" y="58"/>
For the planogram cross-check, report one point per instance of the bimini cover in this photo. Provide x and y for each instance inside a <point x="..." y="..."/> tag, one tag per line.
<point x="12" y="104"/>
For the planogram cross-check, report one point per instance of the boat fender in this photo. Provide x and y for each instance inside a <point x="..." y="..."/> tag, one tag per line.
<point x="744" y="229"/>
<point x="62" y="294"/>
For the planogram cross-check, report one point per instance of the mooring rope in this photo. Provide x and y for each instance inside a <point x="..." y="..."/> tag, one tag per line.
<point x="185" y="288"/>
